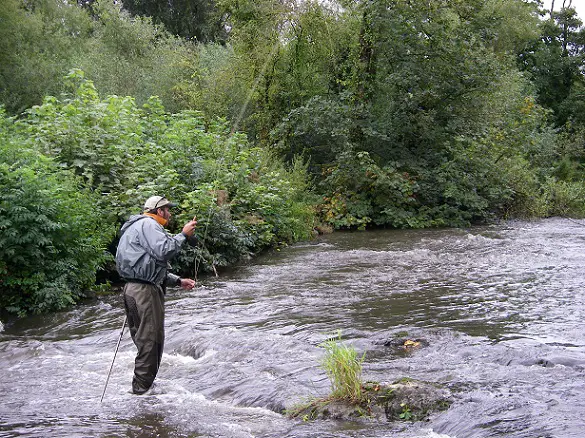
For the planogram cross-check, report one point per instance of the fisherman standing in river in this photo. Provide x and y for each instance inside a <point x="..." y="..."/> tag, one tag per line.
<point x="142" y="260"/>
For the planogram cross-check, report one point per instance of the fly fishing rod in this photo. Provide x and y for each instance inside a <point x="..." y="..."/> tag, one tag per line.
<point x="113" y="360"/>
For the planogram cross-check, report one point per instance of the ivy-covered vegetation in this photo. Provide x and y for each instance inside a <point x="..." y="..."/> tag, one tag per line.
<point x="265" y="118"/>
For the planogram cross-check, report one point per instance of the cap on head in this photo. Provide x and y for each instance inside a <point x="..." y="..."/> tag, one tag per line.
<point x="155" y="202"/>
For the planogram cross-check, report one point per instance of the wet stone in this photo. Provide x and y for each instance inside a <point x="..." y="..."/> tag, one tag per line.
<point x="404" y="400"/>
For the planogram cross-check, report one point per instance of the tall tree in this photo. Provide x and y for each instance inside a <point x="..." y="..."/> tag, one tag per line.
<point x="42" y="40"/>
<point x="430" y="94"/>
<point x="193" y="19"/>
<point x="555" y="62"/>
<point x="37" y="41"/>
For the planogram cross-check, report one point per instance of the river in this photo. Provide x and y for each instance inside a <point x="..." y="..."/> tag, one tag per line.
<point x="500" y="307"/>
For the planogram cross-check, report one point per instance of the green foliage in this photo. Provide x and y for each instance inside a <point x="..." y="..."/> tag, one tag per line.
<point x="430" y="96"/>
<point x="127" y="153"/>
<point x="359" y="192"/>
<point x="282" y="55"/>
<point x="41" y="40"/>
<point x="344" y="368"/>
<point x="313" y="62"/>
<point x="320" y="129"/>
<point x="199" y="20"/>
<point x="52" y="235"/>
<point x="428" y="91"/>
<point x="218" y="86"/>
<point x="564" y="198"/>
<point x="508" y="26"/>
<point x="128" y="56"/>
<point x="554" y="62"/>
<point x="402" y="114"/>
<point x="406" y="413"/>
<point x="34" y="48"/>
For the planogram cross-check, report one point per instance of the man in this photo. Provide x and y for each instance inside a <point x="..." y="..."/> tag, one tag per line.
<point x="142" y="259"/>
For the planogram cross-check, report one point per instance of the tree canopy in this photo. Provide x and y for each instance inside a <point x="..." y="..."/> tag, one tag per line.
<point x="273" y="117"/>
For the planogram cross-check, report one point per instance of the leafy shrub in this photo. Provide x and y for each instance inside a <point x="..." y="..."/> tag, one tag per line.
<point x="564" y="198"/>
<point x="52" y="238"/>
<point x="128" y="56"/>
<point x="263" y="204"/>
<point x="358" y="192"/>
<point x="127" y="153"/>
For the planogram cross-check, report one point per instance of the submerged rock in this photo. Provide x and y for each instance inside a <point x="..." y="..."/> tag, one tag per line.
<point x="412" y="400"/>
<point x="406" y="343"/>
<point x="404" y="400"/>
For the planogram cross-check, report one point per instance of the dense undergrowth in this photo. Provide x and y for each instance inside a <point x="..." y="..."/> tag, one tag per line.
<point x="74" y="168"/>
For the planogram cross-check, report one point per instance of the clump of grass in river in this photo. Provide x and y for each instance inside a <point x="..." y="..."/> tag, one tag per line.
<point x="350" y="398"/>
<point x="344" y="369"/>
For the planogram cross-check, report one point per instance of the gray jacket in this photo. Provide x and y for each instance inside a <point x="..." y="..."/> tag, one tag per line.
<point x="145" y="250"/>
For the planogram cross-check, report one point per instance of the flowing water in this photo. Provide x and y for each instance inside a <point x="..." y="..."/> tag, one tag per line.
<point x="501" y="309"/>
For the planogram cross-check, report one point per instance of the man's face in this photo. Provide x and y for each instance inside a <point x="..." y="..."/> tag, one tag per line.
<point x="165" y="213"/>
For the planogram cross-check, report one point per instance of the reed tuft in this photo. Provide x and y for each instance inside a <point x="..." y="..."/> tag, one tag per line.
<point x="344" y="369"/>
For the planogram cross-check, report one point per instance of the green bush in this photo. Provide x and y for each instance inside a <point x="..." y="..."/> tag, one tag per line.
<point x="127" y="153"/>
<point x="52" y="238"/>
<point x="564" y="198"/>
<point x="41" y="40"/>
<point x="358" y="192"/>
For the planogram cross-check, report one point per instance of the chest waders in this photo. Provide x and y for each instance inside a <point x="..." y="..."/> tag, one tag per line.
<point x="144" y="305"/>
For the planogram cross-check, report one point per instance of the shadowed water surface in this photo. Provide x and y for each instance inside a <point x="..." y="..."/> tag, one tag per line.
<point x="500" y="309"/>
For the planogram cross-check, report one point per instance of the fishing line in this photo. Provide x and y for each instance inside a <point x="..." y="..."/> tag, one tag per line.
<point x="200" y="255"/>
<point x="257" y="80"/>
<point x="574" y="221"/>
<point x="233" y="130"/>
